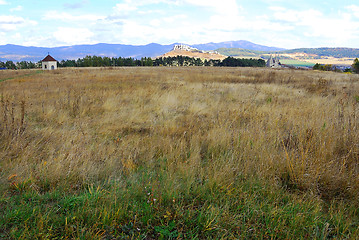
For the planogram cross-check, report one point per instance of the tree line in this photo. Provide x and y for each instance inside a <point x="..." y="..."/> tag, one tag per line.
<point x="328" y="67"/>
<point x="227" y="62"/>
<point x="96" y="61"/>
<point x="18" y="65"/>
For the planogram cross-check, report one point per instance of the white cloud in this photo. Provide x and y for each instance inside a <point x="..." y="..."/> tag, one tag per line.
<point x="315" y="25"/>
<point x="175" y="18"/>
<point x="3" y="39"/>
<point x="3" y="2"/>
<point x="155" y="23"/>
<point x="129" y="6"/>
<point x="62" y="16"/>
<point x="11" y="20"/>
<point x="222" y="21"/>
<point x="76" y="4"/>
<point x="133" y="32"/>
<point x="10" y="23"/>
<point x="224" y="7"/>
<point x="125" y="8"/>
<point x="188" y="21"/>
<point x="73" y="36"/>
<point x="294" y="16"/>
<point x="38" y="40"/>
<point x="173" y="25"/>
<point x="18" y="8"/>
<point x="354" y="9"/>
<point x="225" y="15"/>
<point x="226" y="22"/>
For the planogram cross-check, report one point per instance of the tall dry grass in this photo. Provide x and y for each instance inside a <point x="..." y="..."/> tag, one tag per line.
<point x="73" y="127"/>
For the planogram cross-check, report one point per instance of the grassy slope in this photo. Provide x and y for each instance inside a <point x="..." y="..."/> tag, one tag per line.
<point x="179" y="152"/>
<point x="241" y="52"/>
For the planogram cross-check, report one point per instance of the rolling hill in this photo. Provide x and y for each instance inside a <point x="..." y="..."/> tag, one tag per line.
<point x="21" y="53"/>
<point x="194" y="54"/>
<point x="236" y="44"/>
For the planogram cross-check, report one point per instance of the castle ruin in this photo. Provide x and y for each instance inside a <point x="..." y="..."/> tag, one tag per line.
<point x="273" y="62"/>
<point x="184" y="47"/>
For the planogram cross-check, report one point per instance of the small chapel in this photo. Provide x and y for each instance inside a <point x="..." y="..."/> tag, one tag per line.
<point x="49" y="63"/>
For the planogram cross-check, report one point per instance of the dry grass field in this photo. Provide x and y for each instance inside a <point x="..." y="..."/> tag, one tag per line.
<point x="186" y="153"/>
<point x="331" y="60"/>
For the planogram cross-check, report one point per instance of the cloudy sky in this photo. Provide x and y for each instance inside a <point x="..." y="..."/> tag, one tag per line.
<point x="280" y="23"/>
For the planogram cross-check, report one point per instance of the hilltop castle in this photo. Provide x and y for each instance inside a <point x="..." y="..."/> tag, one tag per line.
<point x="184" y="48"/>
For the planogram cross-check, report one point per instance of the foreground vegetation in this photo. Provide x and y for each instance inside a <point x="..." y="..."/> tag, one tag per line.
<point x="161" y="153"/>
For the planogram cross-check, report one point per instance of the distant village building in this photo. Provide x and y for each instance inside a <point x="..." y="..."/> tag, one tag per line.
<point x="273" y="62"/>
<point x="49" y="63"/>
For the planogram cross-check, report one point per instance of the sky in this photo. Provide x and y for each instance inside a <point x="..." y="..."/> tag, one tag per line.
<point x="278" y="23"/>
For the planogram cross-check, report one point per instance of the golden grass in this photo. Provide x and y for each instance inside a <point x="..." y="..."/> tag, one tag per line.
<point x="298" y="129"/>
<point x="330" y="60"/>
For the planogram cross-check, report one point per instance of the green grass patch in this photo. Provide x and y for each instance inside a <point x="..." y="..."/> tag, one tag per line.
<point x="23" y="75"/>
<point x="239" y="52"/>
<point x="296" y="63"/>
<point x="149" y="203"/>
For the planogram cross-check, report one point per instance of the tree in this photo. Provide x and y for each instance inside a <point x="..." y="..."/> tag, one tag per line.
<point x="324" y="67"/>
<point x="317" y="66"/>
<point x="348" y="70"/>
<point x="356" y="65"/>
<point x="10" y="65"/>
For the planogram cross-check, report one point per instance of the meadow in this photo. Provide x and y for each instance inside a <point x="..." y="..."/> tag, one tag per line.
<point x="179" y="153"/>
<point x="296" y="63"/>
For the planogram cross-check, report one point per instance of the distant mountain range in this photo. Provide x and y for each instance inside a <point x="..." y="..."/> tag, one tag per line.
<point x="236" y="44"/>
<point x="35" y="54"/>
<point x="239" y="48"/>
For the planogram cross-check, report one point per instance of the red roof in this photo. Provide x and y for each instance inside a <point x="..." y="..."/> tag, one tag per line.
<point x="49" y="59"/>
